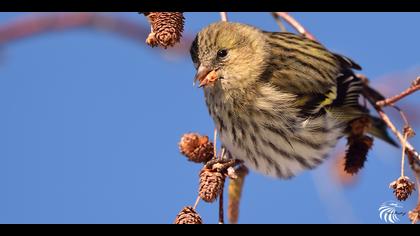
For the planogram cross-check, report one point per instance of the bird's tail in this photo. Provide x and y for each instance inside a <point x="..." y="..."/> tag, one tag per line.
<point x="347" y="107"/>
<point x="379" y="128"/>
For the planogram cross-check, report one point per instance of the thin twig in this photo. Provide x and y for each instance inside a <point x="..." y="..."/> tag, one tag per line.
<point x="373" y="98"/>
<point x="215" y="144"/>
<point x="402" y="114"/>
<point x="417" y="175"/>
<point x="279" y="22"/>
<point x="416" y="170"/>
<point x="390" y="101"/>
<point x="409" y="148"/>
<point x="222" y="153"/>
<point x="415" y="166"/>
<point x="223" y="164"/>
<point x="221" y="210"/>
<point x="418" y="188"/>
<point x="295" y="24"/>
<point x="403" y="153"/>
<point x="223" y="16"/>
<point x="196" y="202"/>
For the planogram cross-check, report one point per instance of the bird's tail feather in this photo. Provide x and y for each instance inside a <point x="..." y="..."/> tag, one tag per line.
<point x="347" y="105"/>
<point x="379" y="130"/>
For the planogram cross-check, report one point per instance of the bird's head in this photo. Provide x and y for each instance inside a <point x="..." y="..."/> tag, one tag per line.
<point x="229" y="55"/>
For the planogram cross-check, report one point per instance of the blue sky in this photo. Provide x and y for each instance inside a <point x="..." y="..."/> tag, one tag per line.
<point x="90" y="124"/>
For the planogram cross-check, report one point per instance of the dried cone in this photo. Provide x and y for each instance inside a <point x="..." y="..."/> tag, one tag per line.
<point x="196" y="148"/>
<point x="402" y="187"/>
<point x="409" y="131"/>
<point x="188" y="216"/>
<point x="151" y="40"/>
<point x="358" y="148"/>
<point x="360" y="126"/>
<point x="414" y="215"/>
<point x="211" y="184"/>
<point x="167" y="28"/>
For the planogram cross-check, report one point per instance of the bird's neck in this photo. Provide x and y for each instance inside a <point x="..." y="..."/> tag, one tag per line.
<point x="235" y="98"/>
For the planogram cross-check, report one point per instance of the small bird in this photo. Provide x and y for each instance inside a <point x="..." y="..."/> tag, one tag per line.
<point x="279" y="101"/>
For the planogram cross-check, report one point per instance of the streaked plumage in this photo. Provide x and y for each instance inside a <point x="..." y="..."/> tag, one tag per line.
<point x="280" y="101"/>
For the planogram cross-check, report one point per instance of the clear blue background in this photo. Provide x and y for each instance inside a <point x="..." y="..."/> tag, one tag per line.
<point x="90" y="123"/>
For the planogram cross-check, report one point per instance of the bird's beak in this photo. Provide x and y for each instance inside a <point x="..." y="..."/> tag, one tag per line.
<point x="205" y="76"/>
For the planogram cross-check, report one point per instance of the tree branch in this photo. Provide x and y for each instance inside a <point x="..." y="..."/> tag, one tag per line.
<point x="221" y="210"/>
<point x="295" y="24"/>
<point x="279" y="22"/>
<point x="409" y="148"/>
<point x="223" y="16"/>
<point x="30" y="26"/>
<point x="415" y="86"/>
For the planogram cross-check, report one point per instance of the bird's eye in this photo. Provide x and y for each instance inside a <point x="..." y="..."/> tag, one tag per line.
<point x="222" y="53"/>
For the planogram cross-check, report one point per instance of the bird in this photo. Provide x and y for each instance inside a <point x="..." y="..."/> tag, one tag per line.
<point x="279" y="101"/>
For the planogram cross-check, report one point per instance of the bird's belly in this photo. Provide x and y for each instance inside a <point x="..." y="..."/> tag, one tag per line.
<point x="272" y="150"/>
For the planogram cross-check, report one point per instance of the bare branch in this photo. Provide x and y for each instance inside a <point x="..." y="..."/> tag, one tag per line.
<point x="30" y="26"/>
<point x="373" y="97"/>
<point x="404" y="143"/>
<point x="223" y="164"/>
<point x="221" y="210"/>
<point x="196" y="202"/>
<point x="235" y="192"/>
<point x="409" y="148"/>
<point x="390" y="101"/>
<point x="279" y="22"/>
<point x="223" y="16"/>
<point x="414" y="215"/>
<point x="215" y="143"/>
<point x="295" y="24"/>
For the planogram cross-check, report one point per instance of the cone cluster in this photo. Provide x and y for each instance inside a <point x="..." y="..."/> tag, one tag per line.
<point x="196" y="148"/>
<point x="358" y="145"/>
<point x="414" y="215"/>
<point x="402" y="187"/>
<point x="408" y="130"/>
<point x="167" y="28"/>
<point x="211" y="184"/>
<point x="188" y="216"/>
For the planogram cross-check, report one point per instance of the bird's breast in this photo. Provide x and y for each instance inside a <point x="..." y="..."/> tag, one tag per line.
<point x="273" y="144"/>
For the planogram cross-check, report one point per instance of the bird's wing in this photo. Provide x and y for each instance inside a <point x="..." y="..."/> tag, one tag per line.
<point x="306" y="68"/>
<point x="322" y="80"/>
